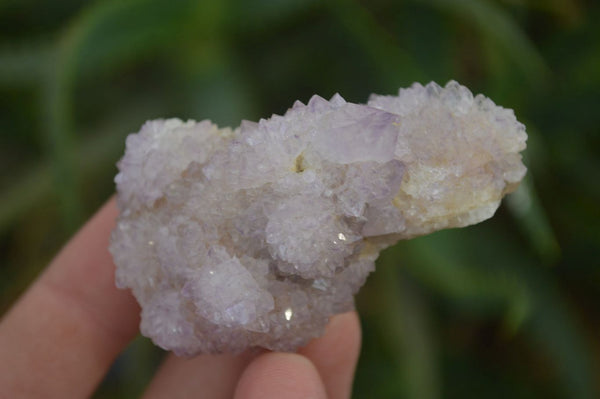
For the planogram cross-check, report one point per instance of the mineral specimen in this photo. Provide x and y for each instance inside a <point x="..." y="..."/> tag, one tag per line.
<point x="254" y="237"/>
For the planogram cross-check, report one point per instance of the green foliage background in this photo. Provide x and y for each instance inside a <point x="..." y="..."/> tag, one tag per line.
<point x="507" y="308"/>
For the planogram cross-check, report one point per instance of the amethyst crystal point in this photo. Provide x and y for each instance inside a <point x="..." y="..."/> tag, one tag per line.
<point x="231" y="239"/>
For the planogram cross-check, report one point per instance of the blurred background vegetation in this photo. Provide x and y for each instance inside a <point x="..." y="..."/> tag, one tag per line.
<point x="507" y="308"/>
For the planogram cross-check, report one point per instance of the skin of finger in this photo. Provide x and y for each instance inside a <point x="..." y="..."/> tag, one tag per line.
<point x="206" y="376"/>
<point x="59" y="339"/>
<point x="336" y="353"/>
<point x="277" y="375"/>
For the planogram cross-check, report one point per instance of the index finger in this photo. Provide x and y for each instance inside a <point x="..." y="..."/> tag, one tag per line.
<point x="59" y="339"/>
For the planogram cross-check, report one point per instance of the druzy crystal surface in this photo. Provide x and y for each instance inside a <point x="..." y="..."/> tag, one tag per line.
<point x="254" y="237"/>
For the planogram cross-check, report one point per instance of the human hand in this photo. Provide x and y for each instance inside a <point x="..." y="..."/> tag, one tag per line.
<point x="63" y="334"/>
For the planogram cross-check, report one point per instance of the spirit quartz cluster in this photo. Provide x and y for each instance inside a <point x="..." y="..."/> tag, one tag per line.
<point x="254" y="237"/>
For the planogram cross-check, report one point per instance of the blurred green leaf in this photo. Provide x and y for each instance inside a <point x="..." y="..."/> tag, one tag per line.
<point x="410" y="332"/>
<point x="529" y="214"/>
<point x="32" y="186"/>
<point x="554" y="332"/>
<point x="441" y="261"/>
<point x="24" y="64"/>
<point x="493" y="22"/>
<point x="263" y="14"/>
<point x="567" y="10"/>
<point x="396" y="67"/>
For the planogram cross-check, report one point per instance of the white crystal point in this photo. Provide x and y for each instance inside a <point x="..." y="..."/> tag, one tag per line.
<point x="254" y="237"/>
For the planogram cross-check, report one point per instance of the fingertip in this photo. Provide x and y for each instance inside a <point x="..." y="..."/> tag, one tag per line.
<point x="213" y="375"/>
<point x="335" y="354"/>
<point x="280" y="375"/>
<point x="344" y="331"/>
